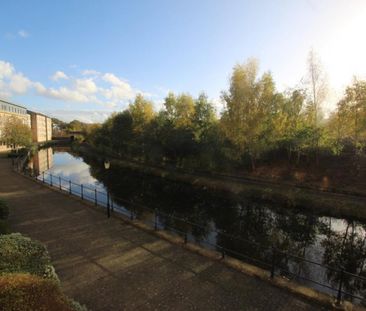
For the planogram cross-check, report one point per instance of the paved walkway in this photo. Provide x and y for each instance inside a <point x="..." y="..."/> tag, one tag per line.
<point x="108" y="265"/>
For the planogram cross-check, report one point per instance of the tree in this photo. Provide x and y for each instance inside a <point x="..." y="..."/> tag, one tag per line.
<point x="179" y="109"/>
<point x="347" y="125"/>
<point x="316" y="86"/>
<point x="290" y="128"/>
<point x="204" y="116"/>
<point x="142" y="112"/>
<point x="247" y="119"/>
<point x="15" y="133"/>
<point x="352" y="113"/>
<point x="317" y="91"/>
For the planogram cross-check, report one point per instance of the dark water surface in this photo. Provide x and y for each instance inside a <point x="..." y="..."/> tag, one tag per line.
<point x="214" y="219"/>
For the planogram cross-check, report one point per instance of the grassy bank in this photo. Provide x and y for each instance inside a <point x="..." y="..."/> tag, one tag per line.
<point x="324" y="203"/>
<point x="286" y="196"/>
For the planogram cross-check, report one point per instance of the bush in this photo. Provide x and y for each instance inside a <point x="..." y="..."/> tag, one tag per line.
<point x="76" y="306"/>
<point x="4" y="227"/>
<point x="19" y="254"/>
<point x="4" y="210"/>
<point x="30" y="292"/>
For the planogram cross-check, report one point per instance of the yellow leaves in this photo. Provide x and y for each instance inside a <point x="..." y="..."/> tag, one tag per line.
<point x="28" y="292"/>
<point x="180" y="110"/>
<point x="142" y="113"/>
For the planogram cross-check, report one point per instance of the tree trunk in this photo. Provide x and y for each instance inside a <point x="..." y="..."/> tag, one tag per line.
<point x="298" y="158"/>
<point x="252" y="160"/>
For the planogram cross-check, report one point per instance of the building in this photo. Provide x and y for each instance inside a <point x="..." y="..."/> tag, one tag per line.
<point x="41" y="127"/>
<point x="8" y="111"/>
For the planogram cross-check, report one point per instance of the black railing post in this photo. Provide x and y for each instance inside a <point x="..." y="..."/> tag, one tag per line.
<point x="82" y="191"/>
<point x="111" y="200"/>
<point x="339" y="295"/>
<point x="95" y="197"/>
<point x="59" y="179"/>
<point x="43" y="177"/>
<point x="273" y="266"/>
<point x="131" y="213"/>
<point x="70" y="191"/>
<point x="108" y="206"/>
<point x="51" y="180"/>
<point x="156" y="219"/>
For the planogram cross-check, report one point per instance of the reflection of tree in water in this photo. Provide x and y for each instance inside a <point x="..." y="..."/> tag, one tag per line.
<point x="262" y="228"/>
<point x="251" y="223"/>
<point x="346" y="250"/>
<point x="294" y="233"/>
<point x="174" y="201"/>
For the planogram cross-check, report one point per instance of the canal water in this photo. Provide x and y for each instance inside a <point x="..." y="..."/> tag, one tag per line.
<point x="245" y="229"/>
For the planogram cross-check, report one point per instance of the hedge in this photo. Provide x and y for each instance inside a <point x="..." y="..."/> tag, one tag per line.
<point x="28" y="292"/>
<point x="19" y="254"/>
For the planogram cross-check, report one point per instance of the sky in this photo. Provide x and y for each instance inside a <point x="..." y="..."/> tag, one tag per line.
<point x="78" y="59"/>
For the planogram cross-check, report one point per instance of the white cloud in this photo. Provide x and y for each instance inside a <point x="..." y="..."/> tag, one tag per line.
<point x="90" y="72"/>
<point x="22" y="33"/>
<point x="6" y="69"/>
<point x="39" y="87"/>
<point x="59" y="75"/>
<point x="12" y="82"/>
<point x="64" y="93"/>
<point x="86" y="86"/>
<point x="19" y="34"/>
<point x="105" y="89"/>
<point x="119" y="91"/>
<point x="89" y="116"/>
<point x="19" y="84"/>
<point x="114" y="80"/>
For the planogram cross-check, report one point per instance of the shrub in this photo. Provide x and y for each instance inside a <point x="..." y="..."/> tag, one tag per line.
<point x="19" y="254"/>
<point x="28" y="292"/>
<point x="4" y="227"/>
<point x="76" y="306"/>
<point x="4" y="210"/>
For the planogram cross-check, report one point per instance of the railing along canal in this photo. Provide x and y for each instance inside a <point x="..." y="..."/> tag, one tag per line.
<point x="273" y="254"/>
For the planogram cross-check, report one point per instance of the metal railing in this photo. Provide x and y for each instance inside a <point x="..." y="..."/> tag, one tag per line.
<point x="273" y="256"/>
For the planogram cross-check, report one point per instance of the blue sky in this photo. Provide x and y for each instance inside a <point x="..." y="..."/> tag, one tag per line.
<point x="85" y="59"/>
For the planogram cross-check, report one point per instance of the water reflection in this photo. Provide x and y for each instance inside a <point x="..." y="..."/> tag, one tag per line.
<point x="218" y="218"/>
<point x="42" y="160"/>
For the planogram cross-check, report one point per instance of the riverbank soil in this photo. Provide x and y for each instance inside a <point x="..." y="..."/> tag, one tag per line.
<point x="346" y="172"/>
<point x="109" y="265"/>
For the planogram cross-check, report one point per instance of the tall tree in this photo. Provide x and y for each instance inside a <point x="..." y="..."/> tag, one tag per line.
<point x="351" y="114"/>
<point x="317" y="92"/>
<point x="317" y="88"/>
<point x="204" y="116"/>
<point x="142" y="112"/>
<point x="247" y="118"/>
<point x="179" y="109"/>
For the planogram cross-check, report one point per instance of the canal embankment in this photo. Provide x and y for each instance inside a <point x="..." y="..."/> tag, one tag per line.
<point x="329" y="203"/>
